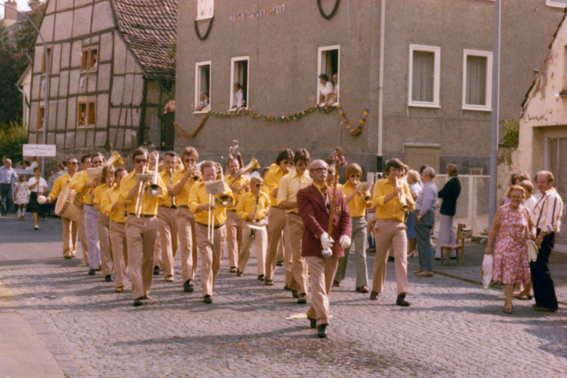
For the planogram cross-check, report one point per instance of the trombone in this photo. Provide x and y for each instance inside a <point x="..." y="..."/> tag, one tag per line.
<point x="153" y="189"/>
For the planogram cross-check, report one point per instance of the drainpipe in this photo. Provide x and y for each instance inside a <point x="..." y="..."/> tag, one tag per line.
<point x="379" y="153"/>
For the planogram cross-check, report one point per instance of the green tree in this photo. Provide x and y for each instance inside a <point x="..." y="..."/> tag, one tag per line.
<point x="12" y="139"/>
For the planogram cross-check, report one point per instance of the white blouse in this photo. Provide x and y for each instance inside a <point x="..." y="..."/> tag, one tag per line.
<point x="42" y="185"/>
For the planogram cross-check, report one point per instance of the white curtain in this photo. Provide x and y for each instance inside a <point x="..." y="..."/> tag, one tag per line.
<point x="423" y="76"/>
<point x="476" y="80"/>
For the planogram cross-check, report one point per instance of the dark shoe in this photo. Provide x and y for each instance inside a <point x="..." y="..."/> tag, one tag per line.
<point x="279" y="263"/>
<point x="146" y="298"/>
<point x="374" y="296"/>
<point x="156" y="270"/>
<point x="294" y="294"/>
<point x="92" y="272"/>
<point x="138" y="302"/>
<point x="401" y="301"/>
<point x="286" y="288"/>
<point x="261" y="277"/>
<point x="391" y="259"/>
<point x="233" y="269"/>
<point x="208" y="299"/>
<point x="322" y="331"/>
<point x="302" y="299"/>
<point x="238" y="273"/>
<point x="362" y="289"/>
<point x="269" y="283"/>
<point x="108" y="278"/>
<point x="313" y="322"/>
<point x="544" y="309"/>
<point x="337" y="284"/>
<point x="188" y="286"/>
<point x="67" y="257"/>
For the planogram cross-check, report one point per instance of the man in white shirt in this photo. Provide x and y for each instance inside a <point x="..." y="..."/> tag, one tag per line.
<point x="8" y="178"/>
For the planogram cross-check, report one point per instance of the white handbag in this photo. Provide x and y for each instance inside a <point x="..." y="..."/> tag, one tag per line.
<point x="532" y="249"/>
<point x="487" y="267"/>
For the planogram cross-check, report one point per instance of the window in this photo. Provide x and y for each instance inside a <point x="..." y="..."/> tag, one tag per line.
<point x="89" y="59"/>
<point x="329" y="66"/>
<point x="205" y="9"/>
<point x="86" y="113"/>
<point x="556" y="3"/>
<point x="203" y="87"/>
<point x="239" y="83"/>
<point x="424" y="75"/>
<point x="44" y="62"/>
<point x="40" y="117"/>
<point x="477" y="80"/>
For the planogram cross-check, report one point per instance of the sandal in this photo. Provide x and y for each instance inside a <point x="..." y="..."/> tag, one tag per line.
<point x="522" y="297"/>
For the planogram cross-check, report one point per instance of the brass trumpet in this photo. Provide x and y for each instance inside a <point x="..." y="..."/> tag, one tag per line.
<point x="402" y="198"/>
<point x="364" y="193"/>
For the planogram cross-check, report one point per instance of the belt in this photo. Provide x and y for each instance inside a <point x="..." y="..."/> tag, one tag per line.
<point x="142" y="215"/>
<point x="294" y="213"/>
<point x="206" y="225"/>
<point x="183" y="207"/>
<point x="170" y="207"/>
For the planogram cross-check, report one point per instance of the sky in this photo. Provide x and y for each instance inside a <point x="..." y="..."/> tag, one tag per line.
<point x="22" y="5"/>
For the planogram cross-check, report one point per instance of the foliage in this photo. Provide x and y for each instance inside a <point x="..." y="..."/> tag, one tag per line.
<point x="25" y="36"/>
<point x="12" y="138"/>
<point x="511" y="129"/>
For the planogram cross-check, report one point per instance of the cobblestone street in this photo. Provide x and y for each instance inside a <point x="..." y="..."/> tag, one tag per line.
<point x="453" y="328"/>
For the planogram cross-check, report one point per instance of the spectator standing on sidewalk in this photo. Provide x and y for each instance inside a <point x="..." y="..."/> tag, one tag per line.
<point x="424" y="218"/>
<point x="449" y="195"/>
<point x="8" y="178"/>
<point x="415" y="189"/>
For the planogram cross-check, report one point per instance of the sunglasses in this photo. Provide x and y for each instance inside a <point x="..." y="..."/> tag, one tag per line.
<point x="189" y="160"/>
<point x="258" y="185"/>
<point x="141" y="160"/>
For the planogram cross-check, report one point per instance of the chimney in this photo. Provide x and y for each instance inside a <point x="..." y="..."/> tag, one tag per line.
<point x="10" y="14"/>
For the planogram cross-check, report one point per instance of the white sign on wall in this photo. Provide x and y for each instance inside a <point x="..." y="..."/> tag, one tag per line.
<point x="48" y="150"/>
<point x="205" y="9"/>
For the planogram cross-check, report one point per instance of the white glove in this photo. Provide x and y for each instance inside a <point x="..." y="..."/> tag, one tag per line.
<point x="345" y="241"/>
<point x="326" y="241"/>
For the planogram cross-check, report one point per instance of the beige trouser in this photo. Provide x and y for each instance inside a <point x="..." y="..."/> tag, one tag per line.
<point x="157" y="248"/>
<point x="322" y="270"/>
<point x="70" y="232"/>
<point x="102" y="224"/>
<point x="277" y="224"/>
<point x="390" y="233"/>
<point x="168" y="237"/>
<point x="300" y="280"/>
<point x="141" y="238"/>
<point x="234" y="226"/>
<point x="211" y="255"/>
<point x="260" y="239"/>
<point x="83" y="233"/>
<point x="118" y="244"/>
<point x="187" y="243"/>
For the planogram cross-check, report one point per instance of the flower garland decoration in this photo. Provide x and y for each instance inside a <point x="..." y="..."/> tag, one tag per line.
<point x="285" y="118"/>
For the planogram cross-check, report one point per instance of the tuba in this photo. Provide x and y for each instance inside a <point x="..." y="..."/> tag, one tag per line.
<point x="115" y="159"/>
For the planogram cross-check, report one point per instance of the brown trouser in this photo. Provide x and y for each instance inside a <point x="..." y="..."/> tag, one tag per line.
<point x="187" y="243"/>
<point x="118" y="244"/>
<point x="102" y="224"/>
<point x="70" y="232"/>
<point x="169" y="238"/>
<point x="322" y="270"/>
<point x="157" y="249"/>
<point x="83" y="233"/>
<point x="211" y="255"/>
<point x="234" y="225"/>
<point x="277" y="224"/>
<point x="260" y="239"/>
<point x="141" y="237"/>
<point x="299" y="278"/>
<point x="390" y="233"/>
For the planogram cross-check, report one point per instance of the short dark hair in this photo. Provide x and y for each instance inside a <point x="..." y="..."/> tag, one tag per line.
<point x="118" y="170"/>
<point x="301" y="154"/>
<point x="97" y="154"/>
<point x="84" y="158"/>
<point x="188" y="151"/>
<point x="207" y="164"/>
<point x="171" y="154"/>
<point x="324" y="77"/>
<point x="27" y="163"/>
<point x="284" y="154"/>
<point x="140" y="151"/>
<point x="396" y="163"/>
<point x="422" y="168"/>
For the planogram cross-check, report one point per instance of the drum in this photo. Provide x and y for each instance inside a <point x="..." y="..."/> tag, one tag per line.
<point x="65" y="206"/>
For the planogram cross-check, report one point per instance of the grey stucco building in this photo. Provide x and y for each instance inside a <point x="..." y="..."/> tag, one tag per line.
<point x="422" y="66"/>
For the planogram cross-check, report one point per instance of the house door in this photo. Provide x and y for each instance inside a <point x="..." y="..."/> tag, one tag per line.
<point x="556" y="156"/>
<point x="418" y="155"/>
<point x="168" y="132"/>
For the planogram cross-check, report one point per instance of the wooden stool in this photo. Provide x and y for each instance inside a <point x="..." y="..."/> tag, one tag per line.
<point x="462" y="234"/>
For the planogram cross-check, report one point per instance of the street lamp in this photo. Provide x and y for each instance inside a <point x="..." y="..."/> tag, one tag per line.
<point x="47" y="70"/>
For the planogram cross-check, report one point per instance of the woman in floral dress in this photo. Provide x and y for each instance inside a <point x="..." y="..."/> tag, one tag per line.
<point x="511" y="263"/>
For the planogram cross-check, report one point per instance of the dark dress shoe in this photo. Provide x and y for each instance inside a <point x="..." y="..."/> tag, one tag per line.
<point x="544" y="309"/>
<point x="337" y="284"/>
<point x="374" y="296"/>
<point x="188" y="286"/>
<point x="279" y="263"/>
<point x="286" y="288"/>
<point x="138" y="302"/>
<point x="261" y="277"/>
<point x="208" y="299"/>
<point x="92" y="272"/>
<point x="401" y="301"/>
<point x="233" y="269"/>
<point x="156" y="270"/>
<point x="302" y="299"/>
<point x="238" y="273"/>
<point x="269" y="283"/>
<point x="322" y="331"/>
<point x="108" y="278"/>
<point x="362" y="289"/>
<point x="146" y="298"/>
<point x="294" y="293"/>
<point x="312" y="322"/>
<point x="391" y="259"/>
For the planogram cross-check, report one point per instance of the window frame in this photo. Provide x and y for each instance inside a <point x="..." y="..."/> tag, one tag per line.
<point x="207" y="17"/>
<point x="86" y="59"/>
<point x="553" y="4"/>
<point x="436" y="50"/>
<point x="320" y="51"/>
<point x="40" y="116"/>
<point x="232" y="75"/>
<point x="198" y="66"/>
<point x="49" y="53"/>
<point x="489" y="56"/>
<point x="87" y="104"/>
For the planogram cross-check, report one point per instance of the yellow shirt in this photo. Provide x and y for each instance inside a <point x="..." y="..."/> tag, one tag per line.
<point x="272" y="181"/>
<point x="356" y="205"/>
<point x="149" y="203"/>
<point x="109" y="198"/>
<point x="198" y="196"/>
<point x="392" y="209"/>
<point x="290" y="184"/>
<point x="238" y="184"/>
<point x="59" y="185"/>
<point x="99" y="193"/>
<point x="77" y="183"/>
<point x="167" y="200"/>
<point x="182" y="199"/>
<point x="247" y="205"/>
